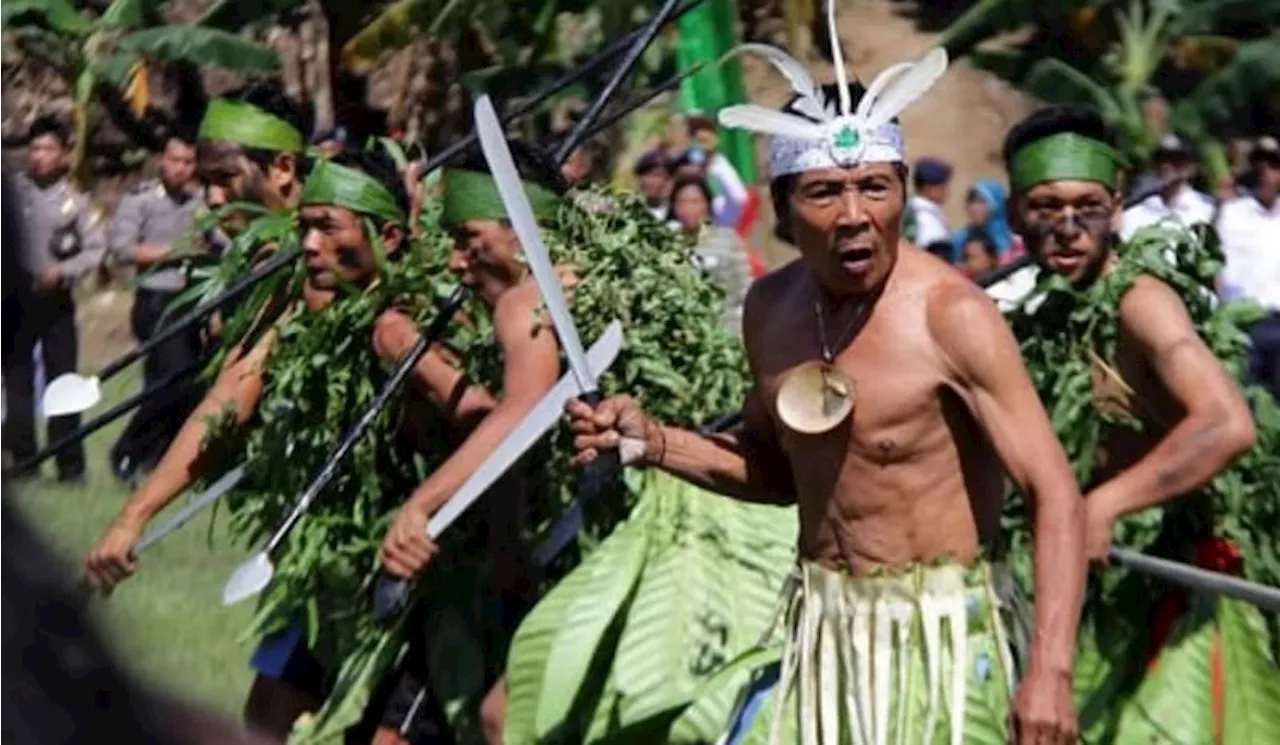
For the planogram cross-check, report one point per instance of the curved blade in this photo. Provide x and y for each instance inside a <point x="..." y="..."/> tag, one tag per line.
<point x="211" y="495"/>
<point x="70" y="394"/>
<point x="248" y="579"/>
<point x="535" y="424"/>
<point x="493" y="143"/>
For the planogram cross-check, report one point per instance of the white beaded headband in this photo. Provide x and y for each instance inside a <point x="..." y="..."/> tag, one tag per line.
<point x="823" y="137"/>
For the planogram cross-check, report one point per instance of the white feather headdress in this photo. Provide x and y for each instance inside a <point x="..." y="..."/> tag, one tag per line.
<point x="823" y="136"/>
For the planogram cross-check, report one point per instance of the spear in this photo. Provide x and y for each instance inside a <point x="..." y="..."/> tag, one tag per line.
<point x="73" y="393"/>
<point x="106" y="418"/>
<point x="254" y="574"/>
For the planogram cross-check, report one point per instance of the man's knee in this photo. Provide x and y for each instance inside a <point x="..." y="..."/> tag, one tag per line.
<point x="493" y="712"/>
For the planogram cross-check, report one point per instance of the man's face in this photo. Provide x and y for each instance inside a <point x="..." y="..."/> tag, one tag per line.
<point x="337" y="248"/>
<point x="45" y="156"/>
<point x="486" y="257"/>
<point x="1174" y="166"/>
<point x="230" y="176"/>
<point x="846" y="223"/>
<point x="1268" y="168"/>
<point x="177" y="164"/>
<point x="1066" y="226"/>
<point x="655" y="186"/>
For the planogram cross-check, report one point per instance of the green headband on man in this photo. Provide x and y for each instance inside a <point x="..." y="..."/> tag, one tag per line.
<point x="245" y="124"/>
<point x="1066" y="156"/>
<point x="473" y="195"/>
<point x="343" y="186"/>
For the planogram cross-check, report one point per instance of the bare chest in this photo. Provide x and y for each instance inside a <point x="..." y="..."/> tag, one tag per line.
<point x="894" y="382"/>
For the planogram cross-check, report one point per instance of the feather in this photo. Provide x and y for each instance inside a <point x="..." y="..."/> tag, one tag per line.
<point x="837" y="57"/>
<point x="885" y="77"/>
<point x="810" y="101"/>
<point x="761" y="120"/>
<point x="904" y="88"/>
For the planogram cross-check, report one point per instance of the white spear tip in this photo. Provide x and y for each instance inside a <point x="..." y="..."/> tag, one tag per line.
<point x="70" y="394"/>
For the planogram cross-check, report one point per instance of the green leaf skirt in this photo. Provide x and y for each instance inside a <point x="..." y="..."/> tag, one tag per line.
<point x="927" y="656"/>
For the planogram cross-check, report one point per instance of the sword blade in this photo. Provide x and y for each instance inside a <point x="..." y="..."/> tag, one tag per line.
<point x="493" y="142"/>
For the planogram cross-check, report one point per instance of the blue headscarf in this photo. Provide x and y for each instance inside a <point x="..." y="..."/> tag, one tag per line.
<point x="996" y="226"/>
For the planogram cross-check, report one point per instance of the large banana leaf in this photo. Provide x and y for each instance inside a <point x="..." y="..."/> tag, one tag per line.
<point x="1217" y="101"/>
<point x="128" y="13"/>
<point x="60" y="15"/>
<point x="233" y="15"/>
<point x="399" y="24"/>
<point x="612" y="572"/>
<point x="1174" y="705"/>
<point x="117" y="68"/>
<point x="1217" y="16"/>
<point x="1251" y="679"/>
<point x="207" y="47"/>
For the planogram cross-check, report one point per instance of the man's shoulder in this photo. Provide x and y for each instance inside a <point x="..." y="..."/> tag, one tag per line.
<point x="145" y="188"/>
<point x="1148" y="299"/>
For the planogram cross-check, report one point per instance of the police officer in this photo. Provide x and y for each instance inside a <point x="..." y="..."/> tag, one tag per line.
<point x="63" y="241"/>
<point x="152" y="220"/>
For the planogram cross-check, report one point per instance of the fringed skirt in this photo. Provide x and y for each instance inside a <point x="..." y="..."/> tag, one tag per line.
<point x="927" y="656"/>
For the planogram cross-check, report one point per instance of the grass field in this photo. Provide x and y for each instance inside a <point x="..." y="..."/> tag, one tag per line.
<point x="168" y="621"/>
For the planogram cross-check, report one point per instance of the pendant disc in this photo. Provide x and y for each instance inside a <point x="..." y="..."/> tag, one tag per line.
<point x="815" y="398"/>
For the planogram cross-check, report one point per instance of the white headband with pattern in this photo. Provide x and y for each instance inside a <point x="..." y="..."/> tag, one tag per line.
<point x="823" y="137"/>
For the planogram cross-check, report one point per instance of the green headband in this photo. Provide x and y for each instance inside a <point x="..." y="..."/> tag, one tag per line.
<point x="247" y="125"/>
<point x="339" y="185"/>
<point x="1065" y="156"/>
<point x="472" y="195"/>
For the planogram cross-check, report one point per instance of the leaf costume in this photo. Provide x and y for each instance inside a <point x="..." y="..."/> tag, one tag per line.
<point x="321" y="374"/>
<point x="1065" y="338"/>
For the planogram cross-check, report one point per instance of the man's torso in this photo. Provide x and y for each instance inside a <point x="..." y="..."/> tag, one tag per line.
<point x="50" y="214"/>
<point x="910" y="476"/>
<point x="165" y="218"/>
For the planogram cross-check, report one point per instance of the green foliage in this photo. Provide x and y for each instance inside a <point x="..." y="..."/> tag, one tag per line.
<point x="1212" y="60"/>
<point x="1062" y="340"/>
<point x="321" y="374"/>
<point x="631" y="639"/>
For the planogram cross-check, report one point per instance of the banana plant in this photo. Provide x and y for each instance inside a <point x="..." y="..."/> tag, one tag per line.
<point x="119" y="48"/>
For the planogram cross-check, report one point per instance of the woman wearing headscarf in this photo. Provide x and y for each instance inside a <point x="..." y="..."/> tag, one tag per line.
<point x="985" y="205"/>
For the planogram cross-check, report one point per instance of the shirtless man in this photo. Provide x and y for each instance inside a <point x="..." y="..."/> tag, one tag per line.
<point x="487" y="259"/>
<point x="899" y="498"/>
<point x="1195" y="422"/>
<point x="337" y="252"/>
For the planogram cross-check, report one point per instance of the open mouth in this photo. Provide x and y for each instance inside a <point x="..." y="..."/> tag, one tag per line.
<point x="855" y="260"/>
<point x="1066" y="261"/>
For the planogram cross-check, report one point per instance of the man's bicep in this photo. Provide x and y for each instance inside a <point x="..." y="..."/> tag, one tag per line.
<point x="993" y="379"/>
<point x="531" y="356"/>
<point x="1156" y="317"/>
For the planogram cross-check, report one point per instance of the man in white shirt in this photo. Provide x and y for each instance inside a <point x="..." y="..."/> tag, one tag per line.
<point x="1250" y="230"/>
<point x="931" y="178"/>
<point x="1177" y="202"/>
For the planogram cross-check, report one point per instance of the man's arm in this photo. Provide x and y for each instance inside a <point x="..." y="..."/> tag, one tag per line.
<point x="238" y="388"/>
<point x="746" y="463"/>
<point x="435" y="377"/>
<point x="983" y="356"/>
<point x="1217" y="427"/>
<point x="93" y="244"/>
<point x="531" y="367"/>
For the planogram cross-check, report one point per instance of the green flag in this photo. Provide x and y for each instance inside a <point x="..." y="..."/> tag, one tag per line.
<point x="706" y="34"/>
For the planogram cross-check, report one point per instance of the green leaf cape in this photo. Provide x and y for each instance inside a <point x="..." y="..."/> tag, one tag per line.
<point x="1120" y="700"/>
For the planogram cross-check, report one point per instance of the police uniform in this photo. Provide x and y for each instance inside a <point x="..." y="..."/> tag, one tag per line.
<point x="61" y="228"/>
<point x="151" y="214"/>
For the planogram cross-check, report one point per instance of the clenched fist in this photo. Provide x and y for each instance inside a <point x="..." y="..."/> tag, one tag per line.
<point x="111" y="561"/>
<point x="618" y="423"/>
